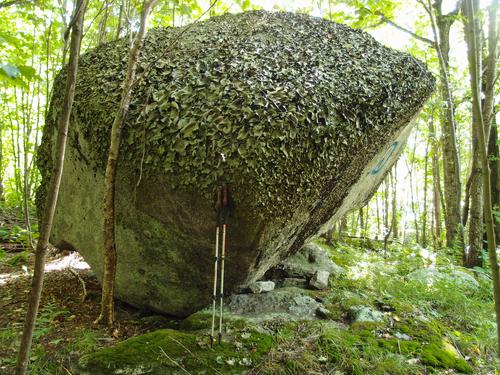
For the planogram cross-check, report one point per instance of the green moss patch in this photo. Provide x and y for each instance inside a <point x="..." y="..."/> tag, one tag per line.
<point x="443" y="355"/>
<point x="359" y="350"/>
<point x="170" y="351"/>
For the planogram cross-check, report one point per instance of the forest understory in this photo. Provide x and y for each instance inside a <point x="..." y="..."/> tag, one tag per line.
<point x="419" y="256"/>
<point x="441" y="325"/>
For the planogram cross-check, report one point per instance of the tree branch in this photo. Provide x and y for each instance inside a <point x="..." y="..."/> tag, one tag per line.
<point x="384" y="19"/>
<point x="426" y="8"/>
<point x="75" y="16"/>
<point x="8" y="3"/>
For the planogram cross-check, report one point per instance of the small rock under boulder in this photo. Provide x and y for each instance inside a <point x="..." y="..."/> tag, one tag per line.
<point x="261" y="287"/>
<point x="304" y="264"/>
<point x="320" y="280"/>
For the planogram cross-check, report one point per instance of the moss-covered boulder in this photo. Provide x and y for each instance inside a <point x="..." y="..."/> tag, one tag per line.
<point x="309" y="114"/>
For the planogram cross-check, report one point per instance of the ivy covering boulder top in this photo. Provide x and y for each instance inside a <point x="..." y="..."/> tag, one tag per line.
<point x="309" y="114"/>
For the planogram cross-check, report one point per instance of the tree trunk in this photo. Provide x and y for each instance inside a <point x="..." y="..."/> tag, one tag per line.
<point x="53" y="190"/>
<point x="102" y="24"/>
<point x="378" y="215"/>
<point x="26" y="108"/>
<point x="471" y="32"/>
<point x="173" y="14"/>
<point x="466" y="208"/>
<point x="386" y="204"/>
<point x="436" y="186"/>
<point x="361" y="222"/>
<point x="343" y="226"/>
<point x="472" y="256"/>
<point x="110" y="256"/>
<point x="489" y="113"/>
<point x="410" y="165"/>
<point x="14" y="136"/>
<point x="424" y="213"/>
<point x="494" y="158"/>
<point x="473" y="199"/>
<point x="65" y="29"/>
<point x="394" y="220"/>
<point x="441" y="24"/>
<point x="367" y="217"/>
<point x="120" y="18"/>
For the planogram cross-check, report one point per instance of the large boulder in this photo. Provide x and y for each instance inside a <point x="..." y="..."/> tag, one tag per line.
<point x="310" y="115"/>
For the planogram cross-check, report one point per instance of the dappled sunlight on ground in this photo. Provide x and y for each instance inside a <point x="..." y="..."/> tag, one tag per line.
<point x="70" y="260"/>
<point x="6" y="277"/>
<point x="66" y="260"/>
<point x="428" y="256"/>
<point x="359" y="271"/>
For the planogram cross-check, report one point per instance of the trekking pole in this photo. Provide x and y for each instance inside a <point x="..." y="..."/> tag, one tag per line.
<point x="218" y="206"/>
<point x="225" y="208"/>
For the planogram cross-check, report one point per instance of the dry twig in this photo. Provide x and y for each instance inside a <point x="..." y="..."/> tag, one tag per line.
<point x="174" y="361"/>
<point x="84" y="296"/>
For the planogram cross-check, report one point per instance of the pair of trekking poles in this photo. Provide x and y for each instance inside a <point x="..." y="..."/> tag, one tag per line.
<point x="222" y="208"/>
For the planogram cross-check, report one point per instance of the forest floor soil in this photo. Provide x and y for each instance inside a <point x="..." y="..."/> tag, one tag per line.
<point x="69" y="305"/>
<point x="445" y="327"/>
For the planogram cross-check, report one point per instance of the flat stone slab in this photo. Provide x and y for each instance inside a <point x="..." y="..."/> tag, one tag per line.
<point x="288" y="303"/>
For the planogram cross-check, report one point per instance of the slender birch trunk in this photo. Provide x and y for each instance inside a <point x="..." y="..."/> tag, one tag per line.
<point x="386" y="205"/>
<point x="361" y="221"/>
<point x="110" y="256"/>
<point x="53" y="190"/>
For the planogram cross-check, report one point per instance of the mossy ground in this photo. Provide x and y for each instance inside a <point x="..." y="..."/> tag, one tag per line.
<point x="171" y="351"/>
<point x="438" y="328"/>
